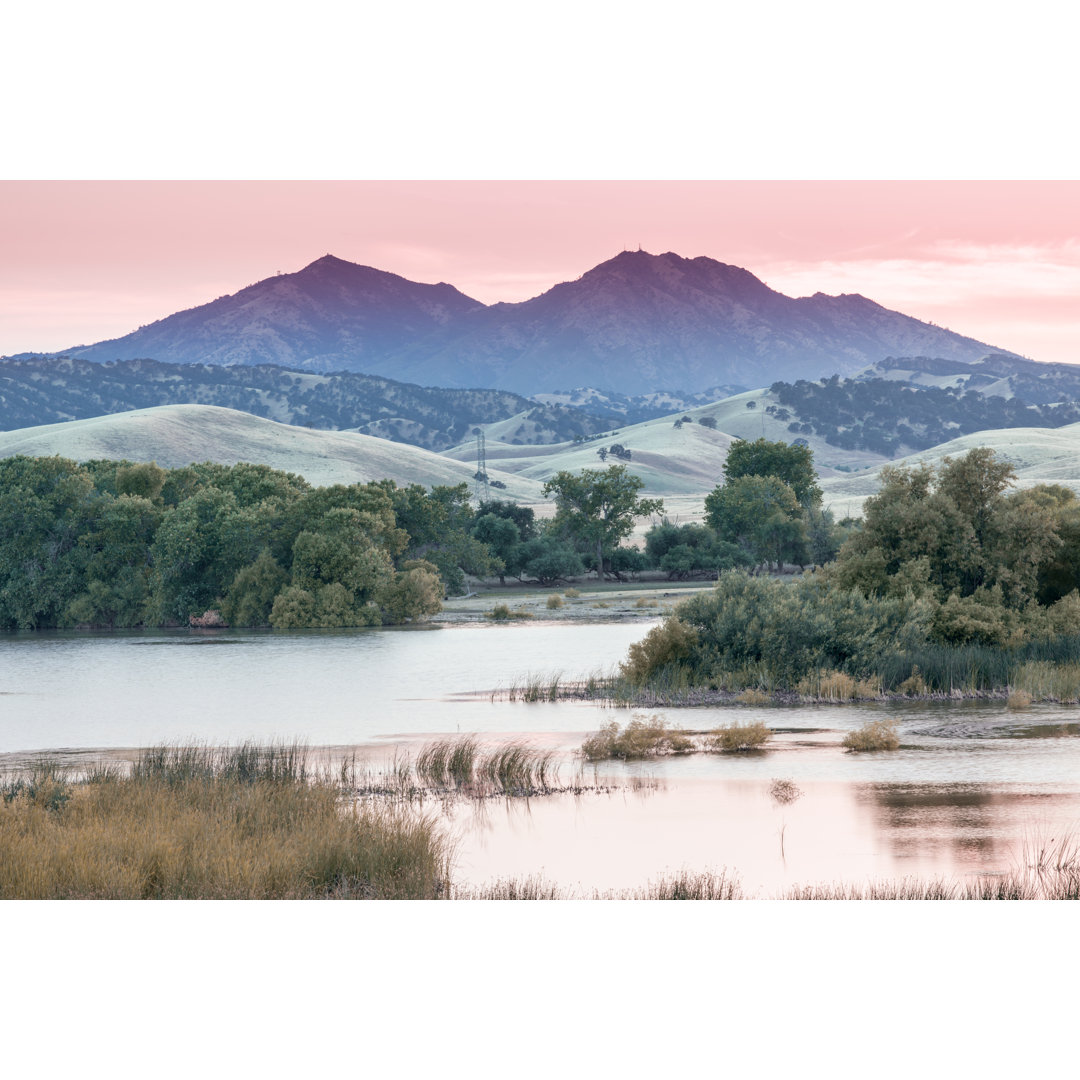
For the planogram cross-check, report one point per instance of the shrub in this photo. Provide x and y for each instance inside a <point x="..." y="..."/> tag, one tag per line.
<point x="571" y="594"/>
<point x="554" y="602"/>
<point x="875" y="735"/>
<point x="502" y="613"/>
<point x="665" y="645"/>
<point x="641" y="738"/>
<point x="643" y="602"/>
<point x="739" y="737"/>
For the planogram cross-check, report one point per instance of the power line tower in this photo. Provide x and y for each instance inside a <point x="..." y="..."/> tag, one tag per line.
<point x="480" y="478"/>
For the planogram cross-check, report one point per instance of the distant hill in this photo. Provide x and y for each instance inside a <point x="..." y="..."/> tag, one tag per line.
<point x="633" y="325"/>
<point x="1039" y="455"/>
<point x="912" y="404"/>
<point x="175" y="435"/>
<point x="45" y="391"/>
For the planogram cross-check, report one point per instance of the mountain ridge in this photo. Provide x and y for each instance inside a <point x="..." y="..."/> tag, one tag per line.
<point x="635" y="324"/>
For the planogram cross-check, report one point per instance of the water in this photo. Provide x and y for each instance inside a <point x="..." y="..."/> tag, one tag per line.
<point x="971" y="785"/>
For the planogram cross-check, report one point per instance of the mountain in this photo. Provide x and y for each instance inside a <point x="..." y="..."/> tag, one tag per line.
<point x="640" y="322"/>
<point x="48" y="390"/>
<point x="634" y="325"/>
<point x="331" y="316"/>
<point x="176" y="435"/>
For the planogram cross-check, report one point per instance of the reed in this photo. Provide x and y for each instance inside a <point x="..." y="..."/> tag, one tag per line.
<point x="1046" y="681"/>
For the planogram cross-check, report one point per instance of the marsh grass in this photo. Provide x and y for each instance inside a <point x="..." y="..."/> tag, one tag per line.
<point x="503" y="613"/>
<point x="641" y="738"/>
<point x="739" y="737"/>
<point x="535" y="688"/>
<point x="248" y="822"/>
<point x="753" y="696"/>
<point x="1018" y="700"/>
<point x="874" y="735"/>
<point x="1046" y="681"/>
<point x="461" y="767"/>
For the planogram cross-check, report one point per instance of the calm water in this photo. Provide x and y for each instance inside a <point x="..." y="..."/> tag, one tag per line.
<point x="972" y="783"/>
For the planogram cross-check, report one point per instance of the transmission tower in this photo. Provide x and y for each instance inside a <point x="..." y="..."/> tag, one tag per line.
<point x="480" y="485"/>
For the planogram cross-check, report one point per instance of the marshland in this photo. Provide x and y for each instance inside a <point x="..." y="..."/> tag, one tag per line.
<point x="418" y="734"/>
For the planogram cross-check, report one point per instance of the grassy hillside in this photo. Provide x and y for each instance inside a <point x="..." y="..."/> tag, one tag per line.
<point x="1039" y="455"/>
<point x="175" y="435"/>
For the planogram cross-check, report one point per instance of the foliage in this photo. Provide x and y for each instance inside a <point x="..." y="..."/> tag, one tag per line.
<point x="663" y="646"/>
<point x="122" y="544"/>
<point x="791" y="463"/>
<point x="596" y="508"/>
<point x="762" y="516"/>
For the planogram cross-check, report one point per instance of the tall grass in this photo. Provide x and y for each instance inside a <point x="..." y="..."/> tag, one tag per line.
<point x="196" y="823"/>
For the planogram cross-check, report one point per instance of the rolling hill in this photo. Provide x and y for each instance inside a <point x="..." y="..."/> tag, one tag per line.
<point x="175" y="435"/>
<point x="1039" y="455"/>
<point x="48" y="390"/>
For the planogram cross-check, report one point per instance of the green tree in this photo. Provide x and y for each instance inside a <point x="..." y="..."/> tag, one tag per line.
<point x="762" y="515"/>
<point x="794" y="464"/>
<point x="598" y="507"/>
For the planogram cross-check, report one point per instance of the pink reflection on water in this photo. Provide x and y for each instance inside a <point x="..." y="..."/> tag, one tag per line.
<point x="834" y="832"/>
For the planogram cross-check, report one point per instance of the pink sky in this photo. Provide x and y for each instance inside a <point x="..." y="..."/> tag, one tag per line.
<point x="81" y="261"/>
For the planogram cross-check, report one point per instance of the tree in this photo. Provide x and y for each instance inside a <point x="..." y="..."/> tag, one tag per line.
<point x="762" y="515"/>
<point x="598" y="507"/>
<point x="794" y="464"/>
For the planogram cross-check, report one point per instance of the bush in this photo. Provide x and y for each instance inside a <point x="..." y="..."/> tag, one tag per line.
<point x="641" y="738"/>
<point x="571" y="594"/>
<point x="502" y="613"/>
<point x="665" y="645"/>
<point x="554" y="602"/>
<point x="876" y="735"/>
<point x="740" y="737"/>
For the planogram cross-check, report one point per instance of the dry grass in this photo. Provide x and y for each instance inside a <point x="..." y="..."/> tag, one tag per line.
<point x="914" y="685"/>
<point x="875" y="735"/>
<point x="1018" y="700"/>
<point x="838" y="686"/>
<point x="554" y="602"/>
<point x="753" y="696"/>
<point x="571" y="594"/>
<point x="195" y="823"/>
<point x="643" y="602"/>
<point x="503" y="613"/>
<point x="640" y="738"/>
<point x="739" y="737"/>
<point x="1046" y="681"/>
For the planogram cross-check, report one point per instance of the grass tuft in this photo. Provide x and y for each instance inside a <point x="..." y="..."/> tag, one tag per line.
<point x="640" y="738"/>
<point x="739" y="737"/>
<point x="875" y="735"/>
